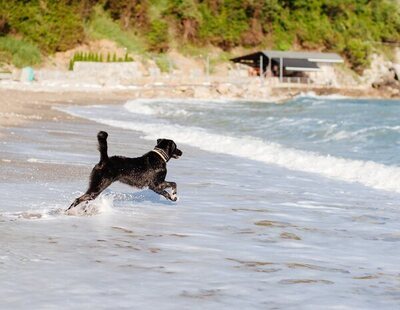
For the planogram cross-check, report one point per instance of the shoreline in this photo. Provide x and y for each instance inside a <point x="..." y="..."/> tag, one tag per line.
<point x="18" y="107"/>
<point x="33" y="104"/>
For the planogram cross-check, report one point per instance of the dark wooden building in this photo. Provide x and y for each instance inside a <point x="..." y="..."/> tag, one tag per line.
<point x="286" y="64"/>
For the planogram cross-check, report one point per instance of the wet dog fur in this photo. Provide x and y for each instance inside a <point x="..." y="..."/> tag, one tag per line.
<point x="148" y="170"/>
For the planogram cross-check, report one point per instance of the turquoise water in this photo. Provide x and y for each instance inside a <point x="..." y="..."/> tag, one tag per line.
<point x="344" y="139"/>
<point x="348" y="128"/>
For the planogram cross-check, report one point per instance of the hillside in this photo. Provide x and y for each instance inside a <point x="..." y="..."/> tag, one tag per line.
<point x="32" y="30"/>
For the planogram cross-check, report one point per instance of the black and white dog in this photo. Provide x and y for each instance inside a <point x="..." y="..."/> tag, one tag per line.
<point x="149" y="170"/>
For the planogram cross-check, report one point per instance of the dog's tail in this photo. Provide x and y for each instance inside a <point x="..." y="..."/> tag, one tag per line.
<point x="102" y="138"/>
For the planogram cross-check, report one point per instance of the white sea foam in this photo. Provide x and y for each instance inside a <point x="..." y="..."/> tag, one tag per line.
<point x="368" y="173"/>
<point x="103" y="204"/>
<point x="53" y="162"/>
<point x="360" y="134"/>
<point x="312" y="94"/>
<point x="365" y="172"/>
<point x="168" y="107"/>
<point x="138" y="107"/>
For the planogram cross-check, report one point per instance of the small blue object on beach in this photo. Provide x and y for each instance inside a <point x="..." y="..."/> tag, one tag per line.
<point x="28" y="75"/>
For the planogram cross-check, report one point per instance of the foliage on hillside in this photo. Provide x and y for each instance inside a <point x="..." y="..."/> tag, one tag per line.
<point x="352" y="27"/>
<point x="18" y="52"/>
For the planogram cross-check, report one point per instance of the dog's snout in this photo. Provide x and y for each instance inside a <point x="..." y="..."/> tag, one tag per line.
<point x="177" y="153"/>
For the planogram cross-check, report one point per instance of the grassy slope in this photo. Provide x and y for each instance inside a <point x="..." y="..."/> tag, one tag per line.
<point x="352" y="28"/>
<point x="101" y="26"/>
<point x="18" y="52"/>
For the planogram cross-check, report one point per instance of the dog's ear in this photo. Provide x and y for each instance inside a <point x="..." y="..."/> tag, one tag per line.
<point x="158" y="141"/>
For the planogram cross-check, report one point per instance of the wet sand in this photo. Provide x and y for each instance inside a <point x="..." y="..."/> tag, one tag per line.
<point x="22" y="110"/>
<point x="19" y="107"/>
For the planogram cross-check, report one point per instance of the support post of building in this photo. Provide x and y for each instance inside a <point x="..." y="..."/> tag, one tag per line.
<point x="269" y="70"/>
<point x="280" y="69"/>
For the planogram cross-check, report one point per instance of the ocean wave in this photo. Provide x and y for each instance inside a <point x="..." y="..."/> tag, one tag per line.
<point x="164" y="109"/>
<point x="360" y="134"/>
<point x="368" y="173"/>
<point x="311" y="94"/>
<point x="175" y="107"/>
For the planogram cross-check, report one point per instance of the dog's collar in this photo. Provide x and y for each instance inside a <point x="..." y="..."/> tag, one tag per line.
<point x="161" y="153"/>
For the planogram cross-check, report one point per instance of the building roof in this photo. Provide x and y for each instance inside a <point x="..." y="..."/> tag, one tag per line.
<point x="310" y="56"/>
<point x="249" y="59"/>
<point x="292" y="64"/>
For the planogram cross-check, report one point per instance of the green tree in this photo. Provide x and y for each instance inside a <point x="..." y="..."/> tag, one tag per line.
<point x="187" y="16"/>
<point x="357" y="52"/>
<point x="158" y="36"/>
<point x="354" y="28"/>
<point x="71" y="65"/>
<point x="53" y="25"/>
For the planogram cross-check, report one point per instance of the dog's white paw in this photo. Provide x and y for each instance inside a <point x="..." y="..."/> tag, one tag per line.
<point x="174" y="197"/>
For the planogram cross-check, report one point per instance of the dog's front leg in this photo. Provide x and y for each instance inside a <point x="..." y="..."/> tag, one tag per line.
<point x="160" y="189"/>
<point x="174" y="193"/>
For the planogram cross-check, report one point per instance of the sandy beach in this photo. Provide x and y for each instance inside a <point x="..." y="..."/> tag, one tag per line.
<point x="18" y="107"/>
<point x="24" y="109"/>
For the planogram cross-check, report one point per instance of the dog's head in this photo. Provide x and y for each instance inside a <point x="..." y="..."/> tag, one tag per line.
<point x="169" y="147"/>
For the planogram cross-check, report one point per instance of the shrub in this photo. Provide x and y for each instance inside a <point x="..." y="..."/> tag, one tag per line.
<point x="225" y="26"/>
<point x="163" y="62"/>
<point x="4" y="26"/>
<point x="187" y="17"/>
<point x="352" y="27"/>
<point x="95" y="57"/>
<point x="358" y="52"/>
<point x="157" y="36"/>
<point x="19" y="52"/>
<point x="52" y="25"/>
<point x="101" y="26"/>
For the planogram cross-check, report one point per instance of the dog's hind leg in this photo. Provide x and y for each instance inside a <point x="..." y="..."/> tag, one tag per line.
<point x="84" y="197"/>
<point x="160" y="189"/>
<point x="93" y="191"/>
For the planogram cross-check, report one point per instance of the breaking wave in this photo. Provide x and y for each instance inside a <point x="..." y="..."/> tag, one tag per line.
<point x="368" y="173"/>
<point x="311" y="94"/>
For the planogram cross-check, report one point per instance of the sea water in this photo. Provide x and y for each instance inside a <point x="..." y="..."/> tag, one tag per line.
<point x="292" y="206"/>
